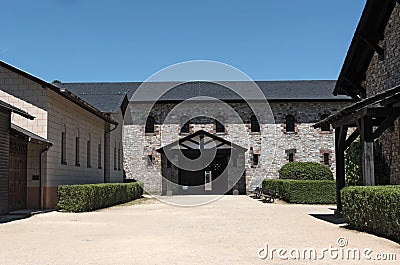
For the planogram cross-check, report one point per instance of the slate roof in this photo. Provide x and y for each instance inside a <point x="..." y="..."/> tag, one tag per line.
<point x="108" y="96"/>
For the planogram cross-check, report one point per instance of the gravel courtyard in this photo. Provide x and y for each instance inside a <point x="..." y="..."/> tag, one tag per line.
<point x="228" y="231"/>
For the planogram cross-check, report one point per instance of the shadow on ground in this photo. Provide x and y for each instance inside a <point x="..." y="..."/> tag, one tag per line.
<point x="329" y="218"/>
<point x="20" y="214"/>
<point x="6" y="218"/>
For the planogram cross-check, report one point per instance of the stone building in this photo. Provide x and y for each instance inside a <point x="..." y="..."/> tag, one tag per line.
<point x="370" y="75"/>
<point x="78" y="142"/>
<point x="264" y="143"/>
<point x="371" y="69"/>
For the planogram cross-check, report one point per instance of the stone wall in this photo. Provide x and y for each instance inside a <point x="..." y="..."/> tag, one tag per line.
<point x="383" y="74"/>
<point x="272" y="144"/>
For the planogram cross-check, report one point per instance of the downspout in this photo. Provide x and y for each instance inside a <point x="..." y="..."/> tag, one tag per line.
<point x="41" y="200"/>
<point x="105" y="149"/>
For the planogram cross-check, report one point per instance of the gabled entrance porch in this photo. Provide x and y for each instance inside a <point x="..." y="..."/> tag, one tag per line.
<point x="202" y="163"/>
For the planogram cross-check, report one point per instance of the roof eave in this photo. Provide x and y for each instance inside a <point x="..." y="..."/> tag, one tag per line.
<point x="374" y="19"/>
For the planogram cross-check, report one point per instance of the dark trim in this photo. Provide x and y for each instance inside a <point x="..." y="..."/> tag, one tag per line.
<point x="16" y="110"/>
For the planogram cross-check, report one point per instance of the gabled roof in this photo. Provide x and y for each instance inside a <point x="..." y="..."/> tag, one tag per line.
<point x="16" y="110"/>
<point x="64" y="93"/>
<point x="369" y="32"/>
<point x="192" y="141"/>
<point x="105" y="97"/>
<point x="305" y="90"/>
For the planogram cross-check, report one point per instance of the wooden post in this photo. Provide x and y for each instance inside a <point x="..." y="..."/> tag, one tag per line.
<point x="367" y="145"/>
<point x="340" y="138"/>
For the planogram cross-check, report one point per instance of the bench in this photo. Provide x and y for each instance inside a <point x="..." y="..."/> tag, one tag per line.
<point x="267" y="196"/>
<point x="257" y="193"/>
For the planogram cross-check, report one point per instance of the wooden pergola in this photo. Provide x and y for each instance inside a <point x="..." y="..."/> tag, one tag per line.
<point x="368" y="119"/>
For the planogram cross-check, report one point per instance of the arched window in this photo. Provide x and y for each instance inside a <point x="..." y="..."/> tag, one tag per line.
<point x="149" y="125"/>
<point x="185" y="125"/>
<point x="290" y="123"/>
<point x="326" y="127"/>
<point x="219" y="125"/>
<point x="254" y="125"/>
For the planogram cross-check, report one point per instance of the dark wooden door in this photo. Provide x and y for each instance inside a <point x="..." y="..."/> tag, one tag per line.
<point x="193" y="182"/>
<point x="17" y="174"/>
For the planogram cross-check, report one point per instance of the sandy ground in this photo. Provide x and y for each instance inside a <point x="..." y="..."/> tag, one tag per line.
<point x="228" y="231"/>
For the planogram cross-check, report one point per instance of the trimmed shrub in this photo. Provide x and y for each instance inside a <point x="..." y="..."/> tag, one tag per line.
<point x="353" y="165"/>
<point x="303" y="191"/>
<point x="373" y="209"/>
<point x="89" y="197"/>
<point x="305" y="171"/>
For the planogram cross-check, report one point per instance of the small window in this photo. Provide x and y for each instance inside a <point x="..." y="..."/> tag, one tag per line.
<point x="77" y="152"/>
<point x="326" y="127"/>
<point x="63" y="148"/>
<point x="326" y="159"/>
<point x="291" y="157"/>
<point x="149" y="125"/>
<point x="115" y="158"/>
<point x="256" y="158"/>
<point x="290" y="123"/>
<point x="99" y="156"/>
<point x="88" y="153"/>
<point x="254" y="125"/>
<point x="185" y="126"/>
<point x="149" y="160"/>
<point x="119" y="158"/>
<point x="219" y="126"/>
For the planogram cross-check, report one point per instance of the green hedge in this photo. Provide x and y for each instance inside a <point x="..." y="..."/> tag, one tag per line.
<point x="373" y="209"/>
<point x="303" y="191"/>
<point x="305" y="171"/>
<point x="89" y="197"/>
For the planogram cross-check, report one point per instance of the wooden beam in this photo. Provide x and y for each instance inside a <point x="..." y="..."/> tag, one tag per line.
<point x="382" y="111"/>
<point x="351" y="138"/>
<point x="209" y="141"/>
<point x="356" y="85"/>
<point x="340" y="137"/>
<point x="375" y="47"/>
<point x="348" y="120"/>
<point x="367" y="145"/>
<point x="186" y="146"/>
<point x="193" y="141"/>
<point x="221" y="144"/>
<point x="383" y="126"/>
<point x="201" y="143"/>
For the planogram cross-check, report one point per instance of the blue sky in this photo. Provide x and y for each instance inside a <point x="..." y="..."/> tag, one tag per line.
<point x="121" y="40"/>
